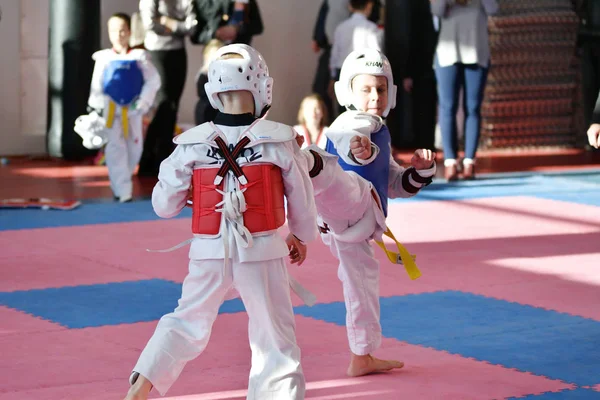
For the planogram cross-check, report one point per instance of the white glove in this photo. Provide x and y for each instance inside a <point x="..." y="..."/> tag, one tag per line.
<point x="357" y="121"/>
<point x="141" y="107"/>
<point x="92" y="129"/>
<point x="348" y="125"/>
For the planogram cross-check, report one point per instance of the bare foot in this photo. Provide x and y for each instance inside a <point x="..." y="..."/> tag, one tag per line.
<point x="140" y="389"/>
<point x="364" y="365"/>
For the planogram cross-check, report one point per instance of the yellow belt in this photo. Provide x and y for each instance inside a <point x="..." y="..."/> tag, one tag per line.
<point x="402" y="257"/>
<point x="110" y="118"/>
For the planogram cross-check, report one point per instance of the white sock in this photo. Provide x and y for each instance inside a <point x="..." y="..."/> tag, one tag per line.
<point x="449" y="162"/>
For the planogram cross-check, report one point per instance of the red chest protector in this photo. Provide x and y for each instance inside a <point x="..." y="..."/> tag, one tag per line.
<point x="259" y="192"/>
<point x="265" y="207"/>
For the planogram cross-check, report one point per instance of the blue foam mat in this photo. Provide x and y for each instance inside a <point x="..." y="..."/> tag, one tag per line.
<point x="89" y="213"/>
<point x="544" y="342"/>
<point x="580" y="188"/>
<point x="576" y="394"/>
<point x="98" y="305"/>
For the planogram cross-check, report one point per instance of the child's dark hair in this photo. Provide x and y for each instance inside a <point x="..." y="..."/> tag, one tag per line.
<point x="359" y="5"/>
<point x="124" y="17"/>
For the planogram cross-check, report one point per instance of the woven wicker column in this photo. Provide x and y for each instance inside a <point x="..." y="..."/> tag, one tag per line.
<point x="532" y="85"/>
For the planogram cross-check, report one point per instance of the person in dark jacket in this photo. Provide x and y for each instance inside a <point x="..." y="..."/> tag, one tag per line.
<point x="228" y="21"/>
<point x="166" y="24"/>
<point x="204" y="112"/>
<point x="221" y="22"/>
<point x="410" y="42"/>
<point x="321" y="44"/>
<point x="589" y="43"/>
<point x="593" y="132"/>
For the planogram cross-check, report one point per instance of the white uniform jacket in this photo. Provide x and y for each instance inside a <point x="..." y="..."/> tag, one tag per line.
<point x="271" y="142"/>
<point x="152" y="82"/>
<point x="352" y="123"/>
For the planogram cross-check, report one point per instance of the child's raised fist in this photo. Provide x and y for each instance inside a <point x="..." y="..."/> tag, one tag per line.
<point x="423" y="159"/>
<point x="360" y="147"/>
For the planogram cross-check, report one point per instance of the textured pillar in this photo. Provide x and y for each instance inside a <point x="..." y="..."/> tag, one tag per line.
<point x="73" y="38"/>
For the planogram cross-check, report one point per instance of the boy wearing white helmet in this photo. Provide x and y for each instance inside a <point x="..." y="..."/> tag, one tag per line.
<point x="366" y="88"/>
<point x="242" y="172"/>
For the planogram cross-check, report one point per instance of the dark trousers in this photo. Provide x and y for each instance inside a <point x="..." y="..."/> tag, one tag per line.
<point x="472" y="78"/>
<point x="590" y="77"/>
<point x="412" y="122"/>
<point x="424" y="100"/>
<point x="158" y="145"/>
<point x="321" y="81"/>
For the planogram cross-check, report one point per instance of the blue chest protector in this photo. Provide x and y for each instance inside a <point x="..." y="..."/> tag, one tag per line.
<point x="122" y="81"/>
<point x="376" y="172"/>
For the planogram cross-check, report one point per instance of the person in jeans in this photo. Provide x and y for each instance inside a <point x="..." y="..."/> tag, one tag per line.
<point x="462" y="60"/>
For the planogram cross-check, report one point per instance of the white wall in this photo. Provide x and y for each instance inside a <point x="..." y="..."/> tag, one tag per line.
<point x="285" y="44"/>
<point x="34" y="74"/>
<point x="11" y="139"/>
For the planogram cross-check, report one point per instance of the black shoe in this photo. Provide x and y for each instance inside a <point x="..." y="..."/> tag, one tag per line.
<point x="147" y="172"/>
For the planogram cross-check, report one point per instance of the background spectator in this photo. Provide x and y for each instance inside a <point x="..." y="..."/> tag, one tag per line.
<point x="228" y="21"/>
<point x="167" y="23"/>
<point x="204" y="112"/>
<point x="462" y="60"/>
<point x="410" y="42"/>
<point x="312" y="121"/>
<point x="589" y="43"/>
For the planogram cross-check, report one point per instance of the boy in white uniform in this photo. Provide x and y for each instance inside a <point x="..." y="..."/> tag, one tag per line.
<point x="367" y="88"/>
<point x="123" y="121"/>
<point x="240" y="168"/>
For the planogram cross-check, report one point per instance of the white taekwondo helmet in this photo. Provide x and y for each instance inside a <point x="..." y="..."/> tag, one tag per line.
<point x="247" y="73"/>
<point x="365" y="61"/>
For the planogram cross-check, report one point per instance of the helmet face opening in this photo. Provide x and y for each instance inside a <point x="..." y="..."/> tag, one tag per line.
<point x="369" y="62"/>
<point x="239" y="67"/>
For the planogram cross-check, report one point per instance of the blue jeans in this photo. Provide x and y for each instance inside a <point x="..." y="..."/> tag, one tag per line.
<point x="472" y="78"/>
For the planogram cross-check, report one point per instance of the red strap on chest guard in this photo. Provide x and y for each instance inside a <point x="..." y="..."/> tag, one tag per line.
<point x="261" y="186"/>
<point x="205" y="219"/>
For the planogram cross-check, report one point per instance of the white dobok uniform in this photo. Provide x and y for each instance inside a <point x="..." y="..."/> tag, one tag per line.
<point x="256" y="268"/>
<point x="348" y="205"/>
<point x="123" y="154"/>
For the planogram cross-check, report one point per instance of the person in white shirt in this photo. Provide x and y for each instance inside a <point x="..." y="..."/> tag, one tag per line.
<point x="247" y="176"/>
<point x="355" y="33"/>
<point x="166" y="23"/>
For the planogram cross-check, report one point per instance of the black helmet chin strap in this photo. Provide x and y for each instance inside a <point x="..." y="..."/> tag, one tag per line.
<point x="264" y="111"/>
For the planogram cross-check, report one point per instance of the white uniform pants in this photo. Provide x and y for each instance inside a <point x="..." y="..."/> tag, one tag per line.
<point x="181" y="336"/>
<point x="123" y="155"/>
<point x="359" y="273"/>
